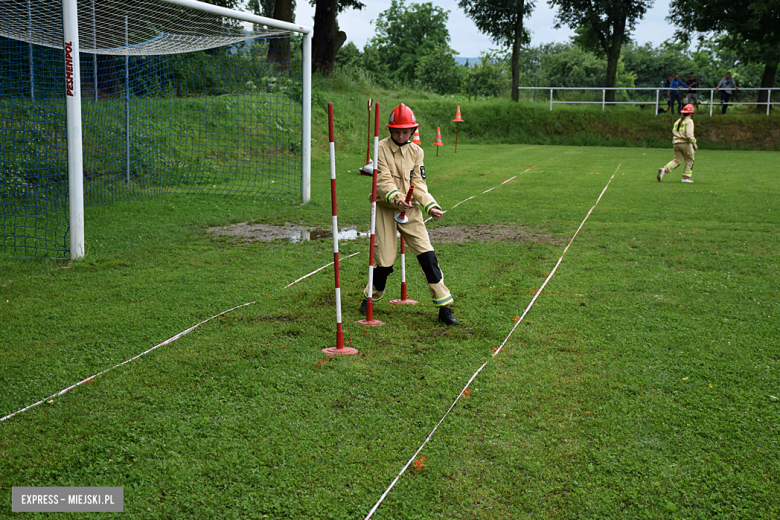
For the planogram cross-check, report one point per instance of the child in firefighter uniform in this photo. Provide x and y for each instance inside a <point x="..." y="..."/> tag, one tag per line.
<point x="684" y="145"/>
<point x="400" y="164"/>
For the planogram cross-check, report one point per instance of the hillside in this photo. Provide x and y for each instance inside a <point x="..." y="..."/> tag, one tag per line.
<point x="500" y="121"/>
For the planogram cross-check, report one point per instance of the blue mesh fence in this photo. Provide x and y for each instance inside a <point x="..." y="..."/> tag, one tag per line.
<point x="224" y="121"/>
<point x="33" y="150"/>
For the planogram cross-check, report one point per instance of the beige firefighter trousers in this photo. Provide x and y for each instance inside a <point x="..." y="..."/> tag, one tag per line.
<point x="415" y="235"/>
<point x="683" y="153"/>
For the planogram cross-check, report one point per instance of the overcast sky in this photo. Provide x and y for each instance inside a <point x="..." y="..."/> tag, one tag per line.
<point x="467" y="40"/>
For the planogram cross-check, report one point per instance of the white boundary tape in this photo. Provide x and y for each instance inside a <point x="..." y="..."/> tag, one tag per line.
<point x="179" y="335"/>
<point x="90" y="378"/>
<point x="183" y="333"/>
<point x="166" y="342"/>
<point x="474" y="196"/>
<point x="528" y="308"/>
<point x="317" y="271"/>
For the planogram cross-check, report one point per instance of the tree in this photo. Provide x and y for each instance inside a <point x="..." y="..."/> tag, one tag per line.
<point x="278" y="48"/>
<point x="264" y="8"/>
<point x="328" y="38"/>
<point x="491" y="69"/>
<point x="712" y="58"/>
<point x="653" y="65"/>
<point x="439" y="72"/>
<point x="751" y="28"/>
<point x="503" y="21"/>
<point x="405" y="34"/>
<point x="604" y="25"/>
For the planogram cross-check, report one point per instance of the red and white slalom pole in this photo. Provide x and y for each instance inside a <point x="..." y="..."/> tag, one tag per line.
<point x="368" y="138"/>
<point x="404" y="300"/>
<point x="370" y="303"/>
<point x="339" y="348"/>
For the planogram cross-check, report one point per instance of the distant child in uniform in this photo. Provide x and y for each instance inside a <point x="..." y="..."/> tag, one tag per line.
<point x="684" y="145"/>
<point x="400" y="164"/>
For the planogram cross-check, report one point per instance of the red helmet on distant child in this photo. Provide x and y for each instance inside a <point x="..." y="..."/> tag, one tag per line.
<point x="402" y="117"/>
<point x="687" y="109"/>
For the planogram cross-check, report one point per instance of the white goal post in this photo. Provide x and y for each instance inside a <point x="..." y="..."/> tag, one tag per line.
<point x="75" y="160"/>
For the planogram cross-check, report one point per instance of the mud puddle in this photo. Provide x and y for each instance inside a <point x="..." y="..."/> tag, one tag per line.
<point x="246" y="232"/>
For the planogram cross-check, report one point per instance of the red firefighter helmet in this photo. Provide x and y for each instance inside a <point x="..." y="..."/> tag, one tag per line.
<point x="402" y="117"/>
<point x="687" y="109"/>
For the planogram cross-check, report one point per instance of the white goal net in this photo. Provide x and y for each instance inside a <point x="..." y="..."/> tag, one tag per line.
<point x="108" y="99"/>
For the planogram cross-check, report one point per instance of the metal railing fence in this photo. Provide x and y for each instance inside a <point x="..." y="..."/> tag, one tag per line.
<point x="659" y="93"/>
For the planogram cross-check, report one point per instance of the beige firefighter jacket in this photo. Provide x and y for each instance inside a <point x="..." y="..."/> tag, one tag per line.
<point x="683" y="132"/>
<point x="398" y="167"/>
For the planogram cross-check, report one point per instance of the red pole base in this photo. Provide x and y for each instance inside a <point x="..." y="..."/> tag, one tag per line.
<point x="403" y="302"/>
<point x="371" y="322"/>
<point x="344" y="351"/>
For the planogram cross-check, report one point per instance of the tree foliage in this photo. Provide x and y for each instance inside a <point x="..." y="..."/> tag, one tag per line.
<point x="438" y="72"/>
<point x="751" y="28"/>
<point x="404" y="34"/>
<point x="709" y="61"/>
<point x="490" y="75"/>
<point x="502" y="20"/>
<point x="606" y="22"/>
<point x="557" y="64"/>
<point x="569" y="65"/>
<point x="266" y="7"/>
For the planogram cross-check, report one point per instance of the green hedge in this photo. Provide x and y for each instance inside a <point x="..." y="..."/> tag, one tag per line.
<point x="501" y="121"/>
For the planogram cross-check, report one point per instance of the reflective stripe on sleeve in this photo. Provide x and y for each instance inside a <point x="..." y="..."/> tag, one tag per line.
<point x="389" y="197"/>
<point x="429" y="206"/>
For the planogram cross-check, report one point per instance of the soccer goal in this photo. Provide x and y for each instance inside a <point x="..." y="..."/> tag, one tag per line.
<point x="103" y="100"/>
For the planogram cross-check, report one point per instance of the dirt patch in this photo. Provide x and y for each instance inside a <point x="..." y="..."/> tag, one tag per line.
<point x="485" y="233"/>
<point x="246" y="232"/>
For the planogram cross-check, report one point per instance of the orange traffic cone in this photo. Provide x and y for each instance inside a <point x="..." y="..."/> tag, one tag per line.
<point x="438" y="142"/>
<point x="416" y="138"/>
<point x="457" y="122"/>
<point x="457" y="116"/>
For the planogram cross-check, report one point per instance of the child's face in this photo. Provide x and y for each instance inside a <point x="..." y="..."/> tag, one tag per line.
<point x="401" y="135"/>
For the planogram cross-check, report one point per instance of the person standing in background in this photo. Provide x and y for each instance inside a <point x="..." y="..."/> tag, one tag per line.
<point x="726" y="84"/>
<point x="675" y="94"/>
<point x="668" y="98"/>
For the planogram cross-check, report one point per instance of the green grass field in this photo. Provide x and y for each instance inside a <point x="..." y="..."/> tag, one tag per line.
<point x="642" y="384"/>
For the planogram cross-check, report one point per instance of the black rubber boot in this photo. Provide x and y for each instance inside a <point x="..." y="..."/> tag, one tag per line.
<point x="447" y="316"/>
<point x="364" y="307"/>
